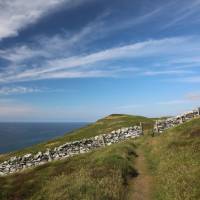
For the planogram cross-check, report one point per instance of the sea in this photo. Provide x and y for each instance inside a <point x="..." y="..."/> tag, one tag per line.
<point x="16" y="136"/>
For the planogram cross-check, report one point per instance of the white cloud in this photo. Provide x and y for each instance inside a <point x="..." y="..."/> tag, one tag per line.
<point x="17" y="14"/>
<point x="22" y="53"/>
<point x="184" y="11"/>
<point x="95" y="64"/>
<point x="56" y="57"/>
<point x="50" y="47"/>
<point x="168" y="72"/>
<point x="17" y="90"/>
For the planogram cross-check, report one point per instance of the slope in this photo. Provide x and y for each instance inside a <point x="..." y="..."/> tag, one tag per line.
<point x="102" y="126"/>
<point x="102" y="174"/>
<point x="174" y="160"/>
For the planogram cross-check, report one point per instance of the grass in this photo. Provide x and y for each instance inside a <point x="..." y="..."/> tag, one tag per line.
<point x="99" y="175"/>
<point x="102" y="126"/>
<point x="174" y="160"/>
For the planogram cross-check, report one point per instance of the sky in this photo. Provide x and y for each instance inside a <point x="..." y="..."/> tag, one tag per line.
<point x="80" y="60"/>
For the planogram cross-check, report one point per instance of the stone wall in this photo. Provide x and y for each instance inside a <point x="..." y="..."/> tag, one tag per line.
<point x="162" y="125"/>
<point x="16" y="164"/>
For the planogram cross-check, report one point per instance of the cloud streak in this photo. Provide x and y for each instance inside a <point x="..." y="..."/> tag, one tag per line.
<point x="56" y="57"/>
<point x="17" y="90"/>
<point x="16" y="15"/>
<point x="186" y="10"/>
<point x="167" y="72"/>
<point x="94" y="64"/>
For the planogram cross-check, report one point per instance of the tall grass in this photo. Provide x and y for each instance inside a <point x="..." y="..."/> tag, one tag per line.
<point x="174" y="158"/>
<point x="100" y="175"/>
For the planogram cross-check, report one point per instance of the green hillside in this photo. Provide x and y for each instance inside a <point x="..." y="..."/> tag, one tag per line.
<point x="174" y="160"/>
<point x="102" y="126"/>
<point x="101" y="174"/>
<point x="170" y="161"/>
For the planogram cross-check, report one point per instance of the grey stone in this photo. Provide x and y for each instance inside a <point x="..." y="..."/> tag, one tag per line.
<point x="69" y="149"/>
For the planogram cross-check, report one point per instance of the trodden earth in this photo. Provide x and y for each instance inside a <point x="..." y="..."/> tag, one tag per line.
<point x="141" y="186"/>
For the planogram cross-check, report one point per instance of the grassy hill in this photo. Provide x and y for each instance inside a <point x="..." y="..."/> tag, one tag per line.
<point x="102" y="126"/>
<point x="100" y="175"/>
<point x="172" y="159"/>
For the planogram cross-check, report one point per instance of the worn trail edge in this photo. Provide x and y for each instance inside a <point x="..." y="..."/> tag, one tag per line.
<point x="141" y="186"/>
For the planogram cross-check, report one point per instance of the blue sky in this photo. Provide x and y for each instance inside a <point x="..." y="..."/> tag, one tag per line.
<point x="79" y="60"/>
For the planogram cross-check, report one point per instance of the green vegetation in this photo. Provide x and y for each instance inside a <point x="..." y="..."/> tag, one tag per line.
<point x="102" y="126"/>
<point x="174" y="159"/>
<point x="99" y="175"/>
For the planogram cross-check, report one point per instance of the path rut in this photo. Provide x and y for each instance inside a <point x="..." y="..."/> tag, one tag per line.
<point x="140" y="186"/>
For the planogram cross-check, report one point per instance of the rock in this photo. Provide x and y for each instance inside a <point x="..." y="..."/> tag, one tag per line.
<point x="118" y="131"/>
<point x="161" y="125"/>
<point x="2" y="174"/>
<point x="38" y="155"/>
<point x="68" y="149"/>
<point x="27" y="156"/>
<point x="82" y="151"/>
<point x="13" y="159"/>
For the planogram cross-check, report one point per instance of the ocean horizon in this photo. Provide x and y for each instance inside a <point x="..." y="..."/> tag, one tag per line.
<point x="18" y="135"/>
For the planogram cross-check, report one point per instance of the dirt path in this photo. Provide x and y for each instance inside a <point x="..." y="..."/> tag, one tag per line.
<point x="140" y="186"/>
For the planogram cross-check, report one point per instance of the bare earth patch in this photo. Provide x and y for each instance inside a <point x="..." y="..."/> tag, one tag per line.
<point x="140" y="186"/>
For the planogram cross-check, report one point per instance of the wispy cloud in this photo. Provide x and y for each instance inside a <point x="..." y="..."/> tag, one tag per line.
<point x="184" y="11"/>
<point x="93" y="64"/>
<point x="59" y="45"/>
<point x="17" y="14"/>
<point x="17" y="90"/>
<point x="57" y="57"/>
<point x="65" y="43"/>
<point x="167" y="72"/>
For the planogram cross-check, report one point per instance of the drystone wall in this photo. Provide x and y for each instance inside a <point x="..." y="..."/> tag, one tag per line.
<point x="16" y="164"/>
<point x="162" y="125"/>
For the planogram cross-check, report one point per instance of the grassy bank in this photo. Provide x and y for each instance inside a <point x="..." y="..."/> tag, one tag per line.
<point x="99" y="175"/>
<point x="102" y="126"/>
<point x="174" y="160"/>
